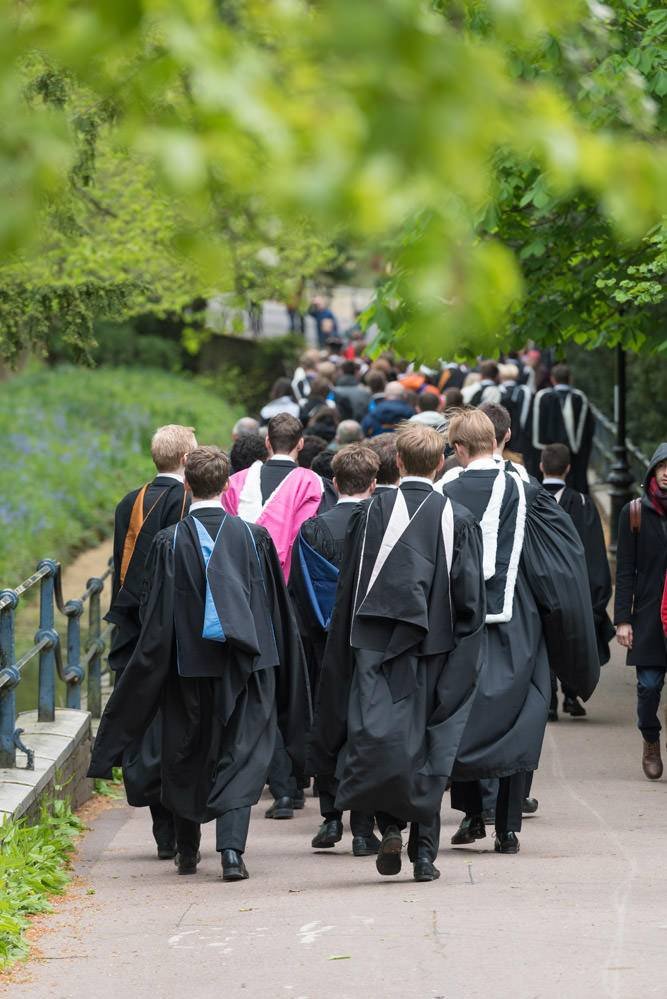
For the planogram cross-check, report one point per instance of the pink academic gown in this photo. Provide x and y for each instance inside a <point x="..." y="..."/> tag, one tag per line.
<point x="295" y="500"/>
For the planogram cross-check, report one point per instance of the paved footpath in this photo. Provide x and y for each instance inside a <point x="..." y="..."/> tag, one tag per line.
<point x="581" y="912"/>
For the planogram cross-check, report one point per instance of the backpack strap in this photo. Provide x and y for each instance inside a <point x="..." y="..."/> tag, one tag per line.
<point x="635" y="515"/>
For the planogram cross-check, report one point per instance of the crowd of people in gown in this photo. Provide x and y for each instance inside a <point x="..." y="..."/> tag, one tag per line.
<point x="373" y="597"/>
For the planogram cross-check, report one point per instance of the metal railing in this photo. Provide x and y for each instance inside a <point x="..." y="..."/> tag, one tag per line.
<point x="603" y="457"/>
<point x="75" y="668"/>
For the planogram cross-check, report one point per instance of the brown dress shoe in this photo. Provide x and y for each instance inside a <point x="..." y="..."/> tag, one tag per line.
<point x="652" y="760"/>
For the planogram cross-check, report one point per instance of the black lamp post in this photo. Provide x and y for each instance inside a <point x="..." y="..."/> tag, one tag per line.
<point x="620" y="477"/>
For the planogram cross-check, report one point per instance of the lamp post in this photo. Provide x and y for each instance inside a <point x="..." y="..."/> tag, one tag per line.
<point x="620" y="477"/>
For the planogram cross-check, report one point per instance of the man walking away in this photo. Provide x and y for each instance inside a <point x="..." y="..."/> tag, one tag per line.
<point x="220" y="653"/>
<point x="139" y="517"/>
<point x="401" y="661"/>
<point x="316" y="563"/>
<point x="538" y="607"/>
<point x="640" y="573"/>
<point x="555" y="466"/>
<point x="562" y="415"/>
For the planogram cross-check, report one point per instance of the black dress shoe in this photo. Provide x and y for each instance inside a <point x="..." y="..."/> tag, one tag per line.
<point x="165" y="852"/>
<point x="365" y="846"/>
<point x="299" y="802"/>
<point x="389" y="855"/>
<point x="573" y="708"/>
<point x="506" y="843"/>
<point x="553" y="714"/>
<point x="186" y="862"/>
<point x="424" y="868"/>
<point x="233" y="868"/>
<point x="329" y="833"/>
<point x="471" y="828"/>
<point x="530" y="806"/>
<point x="282" y="808"/>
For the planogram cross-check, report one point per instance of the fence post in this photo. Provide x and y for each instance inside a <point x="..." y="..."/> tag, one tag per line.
<point x="46" y="705"/>
<point x="7" y="695"/>
<point x="95" y="666"/>
<point x="620" y="477"/>
<point x="74" y="611"/>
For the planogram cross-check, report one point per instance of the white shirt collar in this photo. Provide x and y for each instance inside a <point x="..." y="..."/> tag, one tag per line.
<point x="388" y="485"/>
<point x="562" y="388"/>
<point x="417" y="478"/>
<point x="281" y="457"/>
<point x="552" y="480"/>
<point x="350" y="499"/>
<point x="171" y="475"/>
<point x="482" y="465"/>
<point x="213" y="504"/>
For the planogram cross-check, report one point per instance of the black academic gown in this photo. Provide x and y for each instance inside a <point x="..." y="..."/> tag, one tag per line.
<point x="220" y="701"/>
<point x="276" y="469"/>
<point x="562" y="416"/>
<point x="326" y="535"/>
<point x="164" y="504"/>
<point x="517" y="400"/>
<point x="586" y="520"/>
<point x="547" y="615"/>
<point x="402" y="657"/>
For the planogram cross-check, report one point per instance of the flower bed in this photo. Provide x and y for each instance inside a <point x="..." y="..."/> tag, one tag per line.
<point x="73" y="441"/>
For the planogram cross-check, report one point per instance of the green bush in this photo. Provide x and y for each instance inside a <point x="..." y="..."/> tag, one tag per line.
<point x="33" y="867"/>
<point x="73" y="441"/>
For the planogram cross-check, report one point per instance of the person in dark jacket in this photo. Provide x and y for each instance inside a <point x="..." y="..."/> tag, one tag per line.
<point x="389" y="412"/>
<point x="139" y="517"/>
<point x="640" y="572"/>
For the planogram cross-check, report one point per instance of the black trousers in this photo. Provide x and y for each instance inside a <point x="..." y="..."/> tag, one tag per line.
<point x="423" y="835"/>
<point x="567" y="691"/>
<point x="467" y="796"/>
<point x="231" y="832"/>
<point x="163" y="825"/>
<point x="282" y="780"/>
<point x="490" y="791"/>
<point x="361" y="824"/>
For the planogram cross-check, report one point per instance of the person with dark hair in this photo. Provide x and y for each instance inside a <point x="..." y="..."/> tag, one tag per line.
<point x="280" y="495"/>
<point x="555" y="465"/>
<point x="562" y="415"/>
<point x="323" y="422"/>
<point x="538" y="609"/>
<point x="453" y="398"/>
<point x="247" y="449"/>
<point x="402" y="657"/>
<point x="320" y="395"/>
<point x="219" y="654"/>
<point x="377" y="383"/>
<point x="388" y="477"/>
<point x="322" y="465"/>
<point x="487" y="388"/>
<point x="312" y="446"/>
<point x="282" y="401"/>
<point x="139" y="516"/>
<point x="428" y="401"/>
<point x="316" y="563"/>
<point x="641" y="563"/>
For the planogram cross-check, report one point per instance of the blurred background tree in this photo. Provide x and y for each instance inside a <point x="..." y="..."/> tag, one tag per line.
<point x="507" y="160"/>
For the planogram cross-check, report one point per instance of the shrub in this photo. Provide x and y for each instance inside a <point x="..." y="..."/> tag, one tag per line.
<point x="73" y="441"/>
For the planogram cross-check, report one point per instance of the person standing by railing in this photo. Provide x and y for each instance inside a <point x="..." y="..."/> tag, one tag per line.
<point x="640" y="574"/>
<point x="139" y="517"/>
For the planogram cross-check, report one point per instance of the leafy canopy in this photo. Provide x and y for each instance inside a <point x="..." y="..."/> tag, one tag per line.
<point x="404" y="124"/>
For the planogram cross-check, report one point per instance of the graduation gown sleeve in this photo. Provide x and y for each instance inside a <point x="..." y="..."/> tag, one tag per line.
<point x="554" y="563"/>
<point x="292" y="685"/>
<point x="136" y="696"/>
<point x="599" y="576"/>
<point x="329" y="730"/>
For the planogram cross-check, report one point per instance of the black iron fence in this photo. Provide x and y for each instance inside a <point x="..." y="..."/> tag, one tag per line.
<point x="72" y="665"/>
<point x="603" y="456"/>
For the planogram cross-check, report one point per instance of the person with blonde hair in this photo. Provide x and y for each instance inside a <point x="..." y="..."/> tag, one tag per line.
<point x="538" y="609"/>
<point x="402" y="657"/>
<point x="139" y="516"/>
